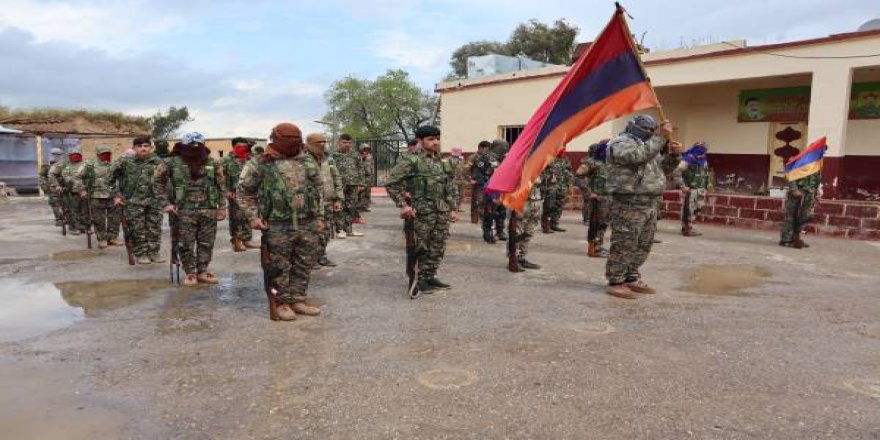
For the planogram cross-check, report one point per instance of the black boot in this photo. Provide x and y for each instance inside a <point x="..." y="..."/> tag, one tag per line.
<point x="324" y="261"/>
<point x="526" y="264"/>
<point x="434" y="282"/>
<point x="501" y="235"/>
<point x="423" y="286"/>
<point x="487" y="237"/>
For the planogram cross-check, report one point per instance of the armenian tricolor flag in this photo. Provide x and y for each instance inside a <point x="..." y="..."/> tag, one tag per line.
<point x="607" y="82"/>
<point x="807" y="162"/>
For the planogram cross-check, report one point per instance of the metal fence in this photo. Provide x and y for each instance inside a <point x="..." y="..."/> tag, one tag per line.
<point x="385" y="153"/>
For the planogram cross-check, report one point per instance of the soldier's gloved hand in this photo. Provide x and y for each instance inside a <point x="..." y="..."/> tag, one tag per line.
<point x="170" y="209"/>
<point x="797" y="193"/>
<point x="337" y="206"/>
<point x="676" y="147"/>
<point x="407" y="212"/>
<point x="453" y="216"/>
<point x="259" y="224"/>
<point x="221" y="214"/>
<point x="117" y="201"/>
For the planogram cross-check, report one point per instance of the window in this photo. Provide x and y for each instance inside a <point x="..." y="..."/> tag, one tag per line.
<point x="510" y="133"/>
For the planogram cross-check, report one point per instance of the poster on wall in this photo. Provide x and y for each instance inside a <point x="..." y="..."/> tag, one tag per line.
<point x="865" y="101"/>
<point x="789" y="104"/>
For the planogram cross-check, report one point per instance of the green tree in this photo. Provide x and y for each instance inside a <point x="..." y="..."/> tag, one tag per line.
<point x="389" y="105"/>
<point x="550" y="44"/>
<point x="164" y="126"/>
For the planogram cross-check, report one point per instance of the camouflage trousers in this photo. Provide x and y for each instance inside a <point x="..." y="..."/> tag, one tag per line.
<point x="106" y="219"/>
<point x="585" y="207"/>
<point x="57" y="209"/>
<point x="554" y="203"/>
<point x="75" y="212"/>
<point x="349" y="207"/>
<point x="493" y="214"/>
<point x="293" y="251"/>
<point x="696" y="203"/>
<point x="238" y="223"/>
<point x="365" y="199"/>
<point x="432" y="229"/>
<point x="198" y="229"/>
<point x="476" y="197"/>
<point x="526" y="223"/>
<point x="603" y="213"/>
<point x="144" y="228"/>
<point x="633" y="224"/>
<point x="330" y="218"/>
<point x="806" y="212"/>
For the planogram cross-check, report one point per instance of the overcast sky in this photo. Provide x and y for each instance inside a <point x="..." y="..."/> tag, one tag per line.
<point x="243" y="66"/>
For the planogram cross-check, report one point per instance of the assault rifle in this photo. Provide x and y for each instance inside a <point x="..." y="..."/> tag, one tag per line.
<point x="90" y="224"/>
<point x="266" y="263"/>
<point x="593" y="229"/>
<point x="512" y="239"/>
<point x="174" y="261"/>
<point x="686" y="209"/>
<point x="126" y="234"/>
<point x="412" y="251"/>
<point x="796" y="225"/>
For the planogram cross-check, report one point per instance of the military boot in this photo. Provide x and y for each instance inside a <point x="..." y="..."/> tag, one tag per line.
<point x="526" y="264"/>
<point x="640" y="287"/>
<point x="501" y="236"/>
<point x="593" y="249"/>
<point x="688" y="231"/>
<point x="191" y="280"/>
<point x="423" y="286"/>
<point x="285" y="313"/>
<point x="434" y="282"/>
<point x="237" y="245"/>
<point x="620" y="291"/>
<point x="545" y="227"/>
<point x="305" y="309"/>
<point x="324" y="261"/>
<point x="555" y="227"/>
<point x="488" y="237"/>
<point x="144" y="259"/>
<point x="206" y="278"/>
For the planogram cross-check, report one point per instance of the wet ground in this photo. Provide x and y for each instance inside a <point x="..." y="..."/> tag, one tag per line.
<point x="744" y="340"/>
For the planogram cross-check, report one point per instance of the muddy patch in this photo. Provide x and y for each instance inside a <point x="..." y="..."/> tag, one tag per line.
<point x="79" y="254"/>
<point x="28" y="310"/>
<point x="446" y="379"/>
<point x="94" y="297"/>
<point x="725" y="279"/>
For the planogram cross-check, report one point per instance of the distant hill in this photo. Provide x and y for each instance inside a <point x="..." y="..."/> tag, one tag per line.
<point x="76" y="121"/>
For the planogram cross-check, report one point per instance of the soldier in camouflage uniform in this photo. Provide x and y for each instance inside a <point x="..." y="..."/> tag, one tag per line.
<point x="639" y="159"/>
<point x="800" y="201"/>
<point x="61" y="179"/>
<point x="430" y="181"/>
<point x="526" y="224"/>
<point x="240" y="232"/>
<point x="557" y="179"/>
<point x="331" y="187"/>
<point x="55" y="203"/>
<point x="493" y="211"/>
<point x="351" y="173"/>
<point x="281" y="194"/>
<point x="369" y="171"/>
<point x="696" y="179"/>
<point x="94" y="183"/>
<point x="133" y="180"/>
<point x="196" y="197"/>
<point x="593" y="172"/>
<point x="476" y="187"/>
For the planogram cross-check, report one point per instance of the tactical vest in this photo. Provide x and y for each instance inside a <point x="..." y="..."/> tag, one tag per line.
<point x="137" y="176"/>
<point x="598" y="175"/>
<point x="98" y="178"/>
<point x="281" y="203"/>
<point x="189" y="194"/>
<point x="427" y="184"/>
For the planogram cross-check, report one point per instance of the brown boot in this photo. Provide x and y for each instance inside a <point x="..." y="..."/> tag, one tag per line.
<point x="475" y="217"/>
<point x="284" y="312"/>
<point x="305" y="309"/>
<point x="237" y="245"/>
<point x="620" y="291"/>
<point x="191" y="280"/>
<point x="206" y="278"/>
<point x="640" y="287"/>
<point x="593" y="249"/>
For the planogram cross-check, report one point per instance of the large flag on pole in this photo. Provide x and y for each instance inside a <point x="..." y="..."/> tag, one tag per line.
<point x="808" y="162"/>
<point x="607" y="82"/>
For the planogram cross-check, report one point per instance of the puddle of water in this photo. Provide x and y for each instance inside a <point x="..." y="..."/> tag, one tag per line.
<point x="725" y="279"/>
<point x="32" y="309"/>
<point x="79" y="254"/>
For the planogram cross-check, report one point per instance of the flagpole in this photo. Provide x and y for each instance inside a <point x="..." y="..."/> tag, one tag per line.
<point x="632" y="43"/>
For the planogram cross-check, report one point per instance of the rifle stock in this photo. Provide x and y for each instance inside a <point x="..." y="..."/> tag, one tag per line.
<point x="174" y="261"/>
<point x="126" y="234"/>
<point x="512" y="239"/>
<point x="412" y="257"/>
<point x="266" y="263"/>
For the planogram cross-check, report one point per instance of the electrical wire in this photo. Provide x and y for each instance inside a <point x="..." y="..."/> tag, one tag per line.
<point x="842" y="57"/>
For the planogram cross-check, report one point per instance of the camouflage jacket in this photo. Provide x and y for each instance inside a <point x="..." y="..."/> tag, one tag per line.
<point x="350" y="168"/>
<point x="44" y="179"/>
<point x="53" y="177"/>
<point x="281" y="189"/>
<point x="133" y="180"/>
<point x="331" y="184"/>
<point x="695" y="176"/>
<point x="595" y="176"/>
<point x="809" y="184"/>
<point x="232" y="171"/>
<point x="96" y="179"/>
<point x="484" y="166"/>
<point x="62" y="176"/>
<point x="184" y="192"/>
<point x="640" y="168"/>
<point x="367" y="170"/>
<point x="557" y="174"/>
<point x="428" y="178"/>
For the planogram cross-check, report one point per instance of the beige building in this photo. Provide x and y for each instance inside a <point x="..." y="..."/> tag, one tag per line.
<point x="755" y="105"/>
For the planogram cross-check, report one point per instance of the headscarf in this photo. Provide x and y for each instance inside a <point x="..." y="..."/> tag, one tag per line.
<point x="194" y="153"/>
<point x="600" y="151"/>
<point x="286" y="141"/>
<point x="696" y="155"/>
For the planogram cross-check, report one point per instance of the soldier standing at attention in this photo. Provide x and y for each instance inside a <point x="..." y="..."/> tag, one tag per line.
<point x="476" y="187"/>
<point x="94" y="184"/>
<point x="639" y="160"/>
<point x="369" y="176"/>
<point x="351" y="173"/>
<point x="696" y="180"/>
<point x="331" y="189"/>
<point x="240" y="232"/>
<point x="280" y="193"/>
<point x="55" y="201"/>
<point x="557" y="179"/>
<point x="61" y="179"/>
<point x="800" y="200"/>
<point x="493" y="211"/>
<point x="430" y="181"/>
<point x="594" y="173"/>
<point x="196" y="198"/>
<point x="133" y="181"/>
<point x="526" y="224"/>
